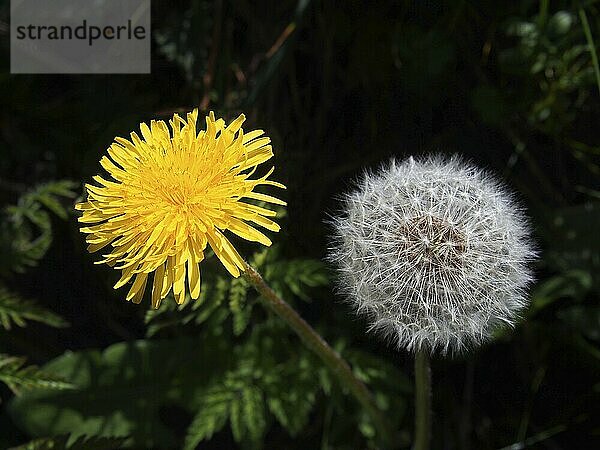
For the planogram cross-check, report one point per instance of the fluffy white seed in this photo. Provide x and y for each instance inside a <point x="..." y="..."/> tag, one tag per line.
<point x="435" y="252"/>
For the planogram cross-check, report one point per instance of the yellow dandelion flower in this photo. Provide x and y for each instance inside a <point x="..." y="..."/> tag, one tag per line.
<point x="172" y="193"/>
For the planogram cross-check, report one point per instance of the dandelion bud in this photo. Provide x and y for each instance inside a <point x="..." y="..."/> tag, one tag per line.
<point x="434" y="252"/>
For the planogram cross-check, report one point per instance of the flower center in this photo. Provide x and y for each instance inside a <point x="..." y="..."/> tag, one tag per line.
<point x="432" y="241"/>
<point x="176" y="196"/>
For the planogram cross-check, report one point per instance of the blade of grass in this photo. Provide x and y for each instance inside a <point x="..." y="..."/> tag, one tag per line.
<point x="276" y="54"/>
<point x="543" y="16"/>
<point x="590" y="40"/>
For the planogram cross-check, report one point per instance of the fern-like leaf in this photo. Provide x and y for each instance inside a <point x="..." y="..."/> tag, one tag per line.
<point x="17" y="376"/>
<point x="289" y="278"/>
<point x="237" y="305"/>
<point x="236" y="398"/>
<point x="211" y="416"/>
<point x="253" y="411"/>
<point x="26" y="232"/>
<point x="81" y="443"/>
<point x="16" y="311"/>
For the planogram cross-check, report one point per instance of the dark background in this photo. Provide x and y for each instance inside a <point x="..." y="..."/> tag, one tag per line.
<point x="339" y="87"/>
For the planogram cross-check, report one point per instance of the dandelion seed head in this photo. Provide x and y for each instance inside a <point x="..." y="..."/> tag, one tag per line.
<point x="435" y="252"/>
<point x="171" y="193"/>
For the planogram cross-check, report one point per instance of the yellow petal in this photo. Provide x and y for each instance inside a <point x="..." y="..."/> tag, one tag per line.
<point x="193" y="271"/>
<point x="157" y="285"/>
<point x="137" y="288"/>
<point x="247" y="232"/>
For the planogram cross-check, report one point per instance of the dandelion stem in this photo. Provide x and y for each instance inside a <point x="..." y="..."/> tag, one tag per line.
<point x="422" y="400"/>
<point x="318" y="345"/>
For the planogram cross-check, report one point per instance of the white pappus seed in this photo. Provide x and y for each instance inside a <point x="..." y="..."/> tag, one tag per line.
<point x="435" y="252"/>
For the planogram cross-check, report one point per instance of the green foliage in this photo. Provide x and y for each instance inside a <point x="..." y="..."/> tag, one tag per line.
<point x="120" y="391"/>
<point x="265" y="378"/>
<point x="240" y="312"/>
<point x="25" y="236"/>
<point x="295" y="277"/>
<point x="291" y="391"/>
<point x="19" y="377"/>
<point x="212" y="415"/>
<point x="26" y="230"/>
<point x="268" y="376"/>
<point x="232" y="399"/>
<point x="14" y="310"/>
<point x="259" y="383"/>
<point x="81" y="443"/>
<point x="289" y="278"/>
<point x="556" y="63"/>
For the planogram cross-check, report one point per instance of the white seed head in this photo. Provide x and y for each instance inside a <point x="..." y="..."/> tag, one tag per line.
<point x="435" y="252"/>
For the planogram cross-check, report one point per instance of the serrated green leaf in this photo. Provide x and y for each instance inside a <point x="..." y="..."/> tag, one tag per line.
<point x="237" y="304"/>
<point x="288" y="278"/>
<point x="235" y="418"/>
<point x="61" y="188"/>
<point x="19" y="377"/>
<point x="212" y="415"/>
<point x="121" y="390"/>
<point x="253" y="410"/>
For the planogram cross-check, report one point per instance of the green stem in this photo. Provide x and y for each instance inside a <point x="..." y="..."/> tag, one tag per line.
<point x="422" y="400"/>
<point x="590" y="41"/>
<point x="329" y="356"/>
